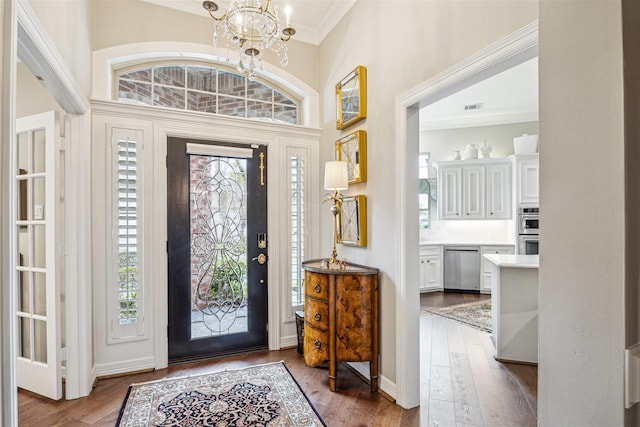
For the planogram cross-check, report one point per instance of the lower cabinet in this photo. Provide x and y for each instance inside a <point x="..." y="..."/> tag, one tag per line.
<point x="341" y="317"/>
<point x="485" y="283"/>
<point x="431" y="268"/>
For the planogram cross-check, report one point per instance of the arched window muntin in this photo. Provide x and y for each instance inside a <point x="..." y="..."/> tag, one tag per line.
<point x="204" y="87"/>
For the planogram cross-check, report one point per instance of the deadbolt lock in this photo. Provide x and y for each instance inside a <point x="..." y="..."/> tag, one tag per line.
<point x="262" y="258"/>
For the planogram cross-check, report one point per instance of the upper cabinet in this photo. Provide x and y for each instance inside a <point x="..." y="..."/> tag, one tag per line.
<point x="527" y="189"/>
<point x="474" y="189"/>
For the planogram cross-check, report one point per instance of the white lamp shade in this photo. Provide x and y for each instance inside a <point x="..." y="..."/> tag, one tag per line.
<point x="336" y="175"/>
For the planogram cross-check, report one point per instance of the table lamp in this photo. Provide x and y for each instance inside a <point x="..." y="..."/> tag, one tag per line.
<point x="336" y="178"/>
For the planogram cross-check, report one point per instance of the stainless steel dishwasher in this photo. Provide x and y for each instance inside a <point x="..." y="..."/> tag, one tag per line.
<point x="462" y="268"/>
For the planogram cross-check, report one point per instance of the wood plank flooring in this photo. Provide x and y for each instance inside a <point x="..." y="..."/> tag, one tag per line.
<point x="461" y="385"/>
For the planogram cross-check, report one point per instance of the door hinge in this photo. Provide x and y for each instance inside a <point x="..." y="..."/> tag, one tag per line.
<point x="63" y="354"/>
<point x="167" y="246"/>
<point x="61" y="248"/>
<point x="267" y="327"/>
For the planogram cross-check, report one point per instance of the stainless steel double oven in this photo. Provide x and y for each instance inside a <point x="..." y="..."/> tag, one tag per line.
<point x="528" y="234"/>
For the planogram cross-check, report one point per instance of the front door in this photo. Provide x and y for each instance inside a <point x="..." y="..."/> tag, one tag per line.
<point x="217" y="247"/>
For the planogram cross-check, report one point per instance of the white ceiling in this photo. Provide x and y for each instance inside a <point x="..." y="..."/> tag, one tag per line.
<point x="312" y="19"/>
<point x="507" y="97"/>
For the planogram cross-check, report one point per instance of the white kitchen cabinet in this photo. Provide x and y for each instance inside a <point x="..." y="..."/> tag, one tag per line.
<point x="499" y="191"/>
<point x="473" y="192"/>
<point x="431" y="268"/>
<point x="485" y="283"/>
<point x="474" y="189"/>
<point x="527" y="187"/>
<point x="450" y="192"/>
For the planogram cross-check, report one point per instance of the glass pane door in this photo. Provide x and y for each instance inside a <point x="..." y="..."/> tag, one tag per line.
<point x="38" y="299"/>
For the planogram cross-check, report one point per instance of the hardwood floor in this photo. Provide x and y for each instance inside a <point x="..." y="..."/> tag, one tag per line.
<point x="461" y="385"/>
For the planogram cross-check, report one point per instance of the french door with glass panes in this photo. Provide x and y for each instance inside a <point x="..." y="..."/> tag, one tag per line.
<point x="217" y="248"/>
<point x="37" y="203"/>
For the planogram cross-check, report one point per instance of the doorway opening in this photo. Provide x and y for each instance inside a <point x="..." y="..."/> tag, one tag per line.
<point x="515" y="49"/>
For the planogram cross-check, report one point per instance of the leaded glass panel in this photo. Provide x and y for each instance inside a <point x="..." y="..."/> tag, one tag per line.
<point x="218" y="193"/>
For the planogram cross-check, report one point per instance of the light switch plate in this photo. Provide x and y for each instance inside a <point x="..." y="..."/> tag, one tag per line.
<point x="38" y="212"/>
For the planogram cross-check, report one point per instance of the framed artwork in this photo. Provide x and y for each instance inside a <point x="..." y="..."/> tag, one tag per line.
<point x="352" y="149"/>
<point x="351" y="98"/>
<point x="352" y="221"/>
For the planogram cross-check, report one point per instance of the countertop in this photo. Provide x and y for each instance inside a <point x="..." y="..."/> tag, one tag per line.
<point x="466" y="243"/>
<point x="513" y="261"/>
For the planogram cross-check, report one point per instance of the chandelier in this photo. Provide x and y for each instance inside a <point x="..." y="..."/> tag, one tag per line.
<point x="251" y="27"/>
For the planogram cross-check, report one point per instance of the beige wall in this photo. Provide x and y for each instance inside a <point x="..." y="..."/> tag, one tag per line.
<point x="31" y="96"/>
<point x="137" y="22"/>
<point x="67" y="22"/>
<point x="401" y="44"/>
<point x="631" y="36"/>
<point x="582" y="200"/>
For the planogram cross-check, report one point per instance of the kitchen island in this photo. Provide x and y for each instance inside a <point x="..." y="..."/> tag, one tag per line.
<point x="514" y="307"/>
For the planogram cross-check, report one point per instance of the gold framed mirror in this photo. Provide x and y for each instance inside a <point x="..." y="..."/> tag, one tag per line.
<point x="352" y="149"/>
<point x="351" y="98"/>
<point x="352" y="221"/>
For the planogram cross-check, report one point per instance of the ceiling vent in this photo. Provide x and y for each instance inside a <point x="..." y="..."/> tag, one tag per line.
<point x="473" y="106"/>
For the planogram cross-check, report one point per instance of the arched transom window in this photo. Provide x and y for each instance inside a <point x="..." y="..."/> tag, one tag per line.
<point x="205" y="89"/>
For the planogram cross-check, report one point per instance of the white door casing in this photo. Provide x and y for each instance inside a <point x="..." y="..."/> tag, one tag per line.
<point x="37" y="177"/>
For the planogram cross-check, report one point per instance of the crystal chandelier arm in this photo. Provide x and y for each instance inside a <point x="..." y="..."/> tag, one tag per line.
<point x="212" y="7"/>
<point x="287" y="33"/>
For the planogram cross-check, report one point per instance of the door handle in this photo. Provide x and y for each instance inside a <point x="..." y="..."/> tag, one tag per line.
<point x="262" y="258"/>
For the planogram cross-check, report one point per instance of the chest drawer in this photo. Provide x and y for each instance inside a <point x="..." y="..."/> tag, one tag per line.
<point x="316" y="346"/>
<point x="317" y="313"/>
<point x="316" y="285"/>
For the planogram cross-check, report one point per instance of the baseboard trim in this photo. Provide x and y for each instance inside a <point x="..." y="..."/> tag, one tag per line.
<point x="386" y="387"/>
<point x="125" y="367"/>
<point x="288" y="342"/>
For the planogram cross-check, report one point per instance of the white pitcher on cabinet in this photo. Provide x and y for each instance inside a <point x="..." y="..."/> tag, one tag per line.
<point x="470" y="151"/>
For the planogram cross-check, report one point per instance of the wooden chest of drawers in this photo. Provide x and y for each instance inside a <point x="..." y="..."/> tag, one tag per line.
<point x="341" y="317"/>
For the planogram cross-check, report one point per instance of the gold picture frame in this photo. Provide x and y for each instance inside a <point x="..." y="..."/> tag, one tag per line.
<point x="351" y="98"/>
<point x="352" y="221"/>
<point x="352" y="149"/>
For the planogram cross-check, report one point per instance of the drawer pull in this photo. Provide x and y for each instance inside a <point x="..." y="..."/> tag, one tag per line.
<point x="317" y="317"/>
<point x="317" y="344"/>
<point x="317" y="288"/>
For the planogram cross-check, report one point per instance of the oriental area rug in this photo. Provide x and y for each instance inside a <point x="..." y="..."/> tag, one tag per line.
<point x="476" y="314"/>
<point x="261" y="395"/>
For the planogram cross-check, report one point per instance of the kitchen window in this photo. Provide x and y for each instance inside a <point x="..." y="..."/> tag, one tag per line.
<point x="424" y="197"/>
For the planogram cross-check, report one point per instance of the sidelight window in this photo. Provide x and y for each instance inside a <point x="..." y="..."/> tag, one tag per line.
<point x="298" y="209"/>
<point x="125" y="295"/>
<point x="127" y="226"/>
